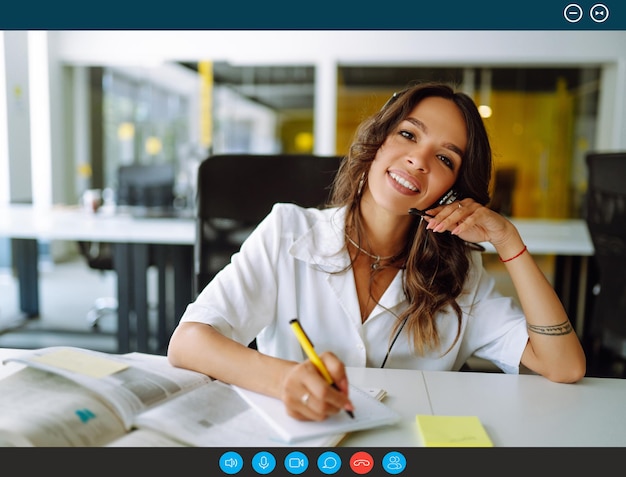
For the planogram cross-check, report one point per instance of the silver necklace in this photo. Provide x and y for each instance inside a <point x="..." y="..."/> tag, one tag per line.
<point x="377" y="258"/>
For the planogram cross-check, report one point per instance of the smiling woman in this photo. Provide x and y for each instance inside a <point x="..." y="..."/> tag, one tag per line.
<point x="374" y="285"/>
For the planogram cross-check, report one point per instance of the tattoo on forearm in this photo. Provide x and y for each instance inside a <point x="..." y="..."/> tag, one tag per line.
<point x="564" y="328"/>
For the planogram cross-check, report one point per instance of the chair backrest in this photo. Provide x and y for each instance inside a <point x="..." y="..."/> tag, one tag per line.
<point x="605" y="213"/>
<point x="236" y="191"/>
<point x="504" y="186"/>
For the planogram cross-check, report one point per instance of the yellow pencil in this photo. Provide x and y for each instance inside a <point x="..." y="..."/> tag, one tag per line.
<point x="307" y="346"/>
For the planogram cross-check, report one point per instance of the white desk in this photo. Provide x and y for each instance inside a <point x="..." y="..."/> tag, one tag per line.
<point x="22" y="221"/>
<point x="516" y="410"/>
<point x="167" y="241"/>
<point x="569" y="240"/>
<point x="531" y="411"/>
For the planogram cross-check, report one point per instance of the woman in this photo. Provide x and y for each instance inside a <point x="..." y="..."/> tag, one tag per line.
<point x="374" y="285"/>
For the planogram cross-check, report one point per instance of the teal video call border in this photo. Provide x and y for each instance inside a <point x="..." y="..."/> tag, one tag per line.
<point x="310" y="15"/>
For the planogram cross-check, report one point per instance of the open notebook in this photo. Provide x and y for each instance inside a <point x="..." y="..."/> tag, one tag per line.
<point x="369" y="412"/>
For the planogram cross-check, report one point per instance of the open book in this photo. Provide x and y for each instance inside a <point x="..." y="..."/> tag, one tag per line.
<point x="76" y="397"/>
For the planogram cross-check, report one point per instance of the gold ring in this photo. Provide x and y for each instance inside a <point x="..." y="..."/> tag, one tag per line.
<point x="305" y="399"/>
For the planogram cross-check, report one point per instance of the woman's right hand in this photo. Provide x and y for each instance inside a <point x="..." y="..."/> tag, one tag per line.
<point x="474" y="223"/>
<point x="308" y="396"/>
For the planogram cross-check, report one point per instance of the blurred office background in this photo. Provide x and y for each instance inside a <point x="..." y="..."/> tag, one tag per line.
<point x="77" y="105"/>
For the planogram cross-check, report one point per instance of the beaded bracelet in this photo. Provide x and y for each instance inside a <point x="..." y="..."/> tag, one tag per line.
<point x="515" y="256"/>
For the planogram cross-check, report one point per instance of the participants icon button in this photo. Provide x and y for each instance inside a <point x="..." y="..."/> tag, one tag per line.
<point x="394" y="462"/>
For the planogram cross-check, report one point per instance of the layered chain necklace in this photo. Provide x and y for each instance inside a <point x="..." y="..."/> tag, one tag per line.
<point x="377" y="258"/>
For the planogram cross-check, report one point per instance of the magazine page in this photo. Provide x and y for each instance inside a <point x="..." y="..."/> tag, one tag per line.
<point x="130" y="383"/>
<point x="47" y="410"/>
<point x="145" y="438"/>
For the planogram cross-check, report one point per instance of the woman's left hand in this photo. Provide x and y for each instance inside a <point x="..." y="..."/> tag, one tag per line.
<point x="471" y="222"/>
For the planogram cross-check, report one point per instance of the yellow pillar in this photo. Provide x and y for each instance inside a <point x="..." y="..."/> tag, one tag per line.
<point x="205" y="69"/>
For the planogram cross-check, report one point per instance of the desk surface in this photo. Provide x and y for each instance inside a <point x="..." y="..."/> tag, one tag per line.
<point x="516" y="410"/>
<point x="542" y="236"/>
<point x="72" y="223"/>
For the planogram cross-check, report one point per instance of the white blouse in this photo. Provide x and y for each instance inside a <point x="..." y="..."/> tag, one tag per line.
<point x="295" y="264"/>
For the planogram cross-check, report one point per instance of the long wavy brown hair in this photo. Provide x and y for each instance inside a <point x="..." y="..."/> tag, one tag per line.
<point x="436" y="265"/>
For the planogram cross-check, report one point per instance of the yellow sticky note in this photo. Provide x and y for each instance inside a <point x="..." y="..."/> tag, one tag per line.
<point x="81" y="363"/>
<point x="452" y="431"/>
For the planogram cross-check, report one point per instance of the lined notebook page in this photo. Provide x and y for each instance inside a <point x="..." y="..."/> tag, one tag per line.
<point x="369" y="412"/>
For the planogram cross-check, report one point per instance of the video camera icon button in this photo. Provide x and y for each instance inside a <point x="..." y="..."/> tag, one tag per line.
<point x="573" y="13"/>
<point x="231" y="462"/>
<point x="296" y="462"/>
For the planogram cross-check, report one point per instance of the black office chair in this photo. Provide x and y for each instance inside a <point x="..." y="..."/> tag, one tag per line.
<point x="144" y="190"/>
<point x="99" y="256"/>
<point x="236" y="191"/>
<point x="605" y="213"/>
<point x="504" y="186"/>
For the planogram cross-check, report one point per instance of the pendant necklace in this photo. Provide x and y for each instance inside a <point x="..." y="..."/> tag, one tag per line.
<point x="377" y="258"/>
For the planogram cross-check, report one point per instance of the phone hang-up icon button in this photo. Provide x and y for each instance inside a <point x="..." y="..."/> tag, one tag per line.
<point x="573" y="13"/>
<point x="599" y="13"/>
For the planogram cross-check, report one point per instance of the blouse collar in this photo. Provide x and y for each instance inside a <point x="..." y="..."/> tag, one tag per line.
<point x="324" y="244"/>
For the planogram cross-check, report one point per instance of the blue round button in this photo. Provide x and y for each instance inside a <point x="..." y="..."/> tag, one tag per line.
<point x="263" y="462"/>
<point x="329" y="463"/>
<point x="394" y="462"/>
<point x="296" y="462"/>
<point x="231" y="462"/>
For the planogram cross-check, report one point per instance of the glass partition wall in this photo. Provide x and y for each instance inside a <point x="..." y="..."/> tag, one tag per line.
<point x="541" y="121"/>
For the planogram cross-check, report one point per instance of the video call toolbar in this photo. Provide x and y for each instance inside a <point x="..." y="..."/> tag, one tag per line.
<point x="328" y="462"/>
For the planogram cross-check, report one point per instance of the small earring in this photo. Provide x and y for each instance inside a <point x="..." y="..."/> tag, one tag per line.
<point x="361" y="183"/>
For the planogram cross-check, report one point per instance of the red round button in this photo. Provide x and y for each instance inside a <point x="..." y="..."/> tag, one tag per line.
<point x="361" y="462"/>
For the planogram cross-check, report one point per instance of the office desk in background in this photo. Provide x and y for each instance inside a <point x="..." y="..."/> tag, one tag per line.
<point x="172" y="239"/>
<point x="570" y="242"/>
<point x="516" y="410"/>
<point x="168" y="241"/>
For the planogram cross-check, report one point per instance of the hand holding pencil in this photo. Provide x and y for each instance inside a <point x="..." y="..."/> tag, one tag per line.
<point x="308" y="348"/>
